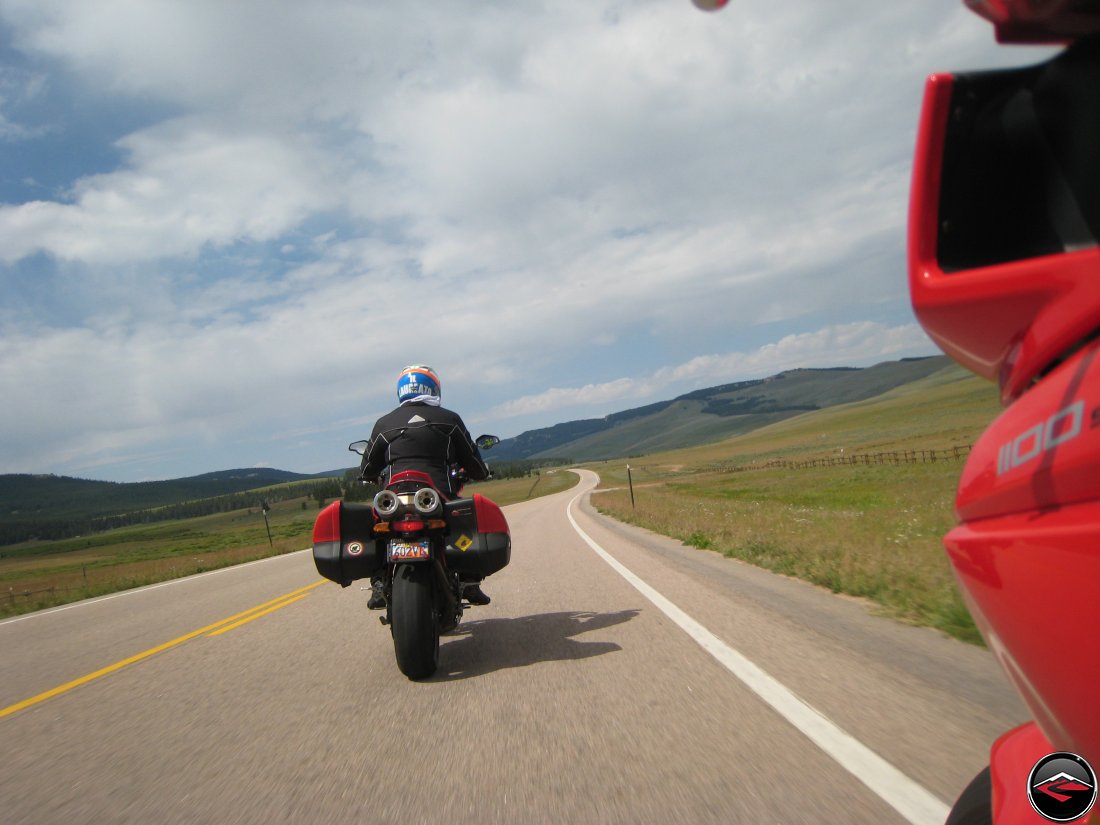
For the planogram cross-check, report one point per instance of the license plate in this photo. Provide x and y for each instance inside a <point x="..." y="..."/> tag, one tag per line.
<point x="409" y="550"/>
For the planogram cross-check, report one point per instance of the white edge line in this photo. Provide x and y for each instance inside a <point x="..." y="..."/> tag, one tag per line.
<point x="907" y="797"/>
<point x="133" y="590"/>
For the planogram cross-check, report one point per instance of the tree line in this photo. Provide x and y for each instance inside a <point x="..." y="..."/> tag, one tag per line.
<point x="322" y="491"/>
<point x="46" y="528"/>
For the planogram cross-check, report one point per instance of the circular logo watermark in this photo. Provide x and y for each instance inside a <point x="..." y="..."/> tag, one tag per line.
<point x="1062" y="787"/>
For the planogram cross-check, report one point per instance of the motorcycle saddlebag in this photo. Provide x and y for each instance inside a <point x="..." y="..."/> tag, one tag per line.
<point x="344" y="547"/>
<point x="478" y="542"/>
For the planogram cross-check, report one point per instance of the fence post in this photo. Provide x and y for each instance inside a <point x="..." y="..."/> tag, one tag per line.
<point x="267" y="524"/>
<point x="630" y="481"/>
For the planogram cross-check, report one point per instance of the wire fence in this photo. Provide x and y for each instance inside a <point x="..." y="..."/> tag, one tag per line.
<point x="864" y="459"/>
<point x="14" y="594"/>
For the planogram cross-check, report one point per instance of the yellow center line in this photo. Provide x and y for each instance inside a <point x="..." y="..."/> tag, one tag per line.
<point x="83" y="680"/>
<point x="247" y="619"/>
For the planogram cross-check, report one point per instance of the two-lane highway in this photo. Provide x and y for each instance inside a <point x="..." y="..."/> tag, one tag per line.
<point x="256" y="694"/>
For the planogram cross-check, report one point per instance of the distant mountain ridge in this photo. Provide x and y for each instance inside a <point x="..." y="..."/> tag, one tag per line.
<point x="56" y="506"/>
<point x="714" y="413"/>
<point x="26" y="491"/>
<point x="71" y="505"/>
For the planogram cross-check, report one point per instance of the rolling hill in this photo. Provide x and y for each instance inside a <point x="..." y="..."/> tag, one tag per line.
<point x="59" y="506"/>
<point x="714" y="413"/>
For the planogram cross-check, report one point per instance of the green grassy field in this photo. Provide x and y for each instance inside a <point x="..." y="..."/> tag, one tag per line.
<point x="44" y="574"/>
<point x="867" y="531"/>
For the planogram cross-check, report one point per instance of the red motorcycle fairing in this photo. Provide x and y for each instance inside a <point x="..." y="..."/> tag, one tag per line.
<point x="1003" y="261"/>
<point x="1004" y="275"/>
<point x="1027" y="550"/>
<point x="1011" y="759"/>
<point x="1039" y="21"/>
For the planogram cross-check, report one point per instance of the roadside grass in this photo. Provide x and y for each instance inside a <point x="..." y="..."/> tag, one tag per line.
<point x="514" y="490"/>
<point x="872" y="531"/>
<point x="37" y="575"/>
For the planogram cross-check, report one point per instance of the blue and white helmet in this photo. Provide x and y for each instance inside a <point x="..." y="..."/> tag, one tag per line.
<point x="418" y="383"/>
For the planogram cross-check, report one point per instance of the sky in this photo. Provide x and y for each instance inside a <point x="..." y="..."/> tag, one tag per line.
<point x="226" y="227"/>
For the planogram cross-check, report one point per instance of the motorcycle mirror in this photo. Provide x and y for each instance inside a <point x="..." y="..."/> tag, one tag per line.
<point x="359" y="447"/>
<point x="485" y="442"/>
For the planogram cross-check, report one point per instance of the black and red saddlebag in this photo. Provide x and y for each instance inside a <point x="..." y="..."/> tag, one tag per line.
<point x="478" y="541"/>
<point x="344" y="547"/>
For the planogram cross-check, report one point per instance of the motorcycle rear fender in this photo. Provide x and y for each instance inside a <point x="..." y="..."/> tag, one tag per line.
<point x="410" y="480"/>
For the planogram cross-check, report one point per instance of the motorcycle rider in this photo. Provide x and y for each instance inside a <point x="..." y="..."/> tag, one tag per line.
<point x="425" y="436"/>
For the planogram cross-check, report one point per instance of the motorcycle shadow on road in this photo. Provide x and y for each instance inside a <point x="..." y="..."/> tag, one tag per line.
<point x="480" y="647"/>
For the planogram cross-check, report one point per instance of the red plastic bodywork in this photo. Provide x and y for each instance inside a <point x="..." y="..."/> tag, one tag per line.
<point x="1039" y="21"/>
<point x="490" y="518"/>
<point x="1011" y="760"/>
<point x="326" y="527"/>
<point x="1026" y="549"/>
<point x="1007" y="322"/>
<point x="413" y="476"/>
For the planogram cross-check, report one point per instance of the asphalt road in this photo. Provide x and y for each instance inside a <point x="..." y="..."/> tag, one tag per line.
<point x="617" y="677"/>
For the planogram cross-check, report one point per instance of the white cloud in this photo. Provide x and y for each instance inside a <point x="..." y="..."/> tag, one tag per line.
<point x="186" y="187"/>
<point x="310" y="196"/>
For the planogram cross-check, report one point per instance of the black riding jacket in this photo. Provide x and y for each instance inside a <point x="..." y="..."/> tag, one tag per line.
<point x="418" y="436"/>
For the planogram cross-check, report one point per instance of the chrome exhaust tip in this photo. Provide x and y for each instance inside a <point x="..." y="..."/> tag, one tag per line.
<point x="426" y="501"/>
<point x="386" y="503"/>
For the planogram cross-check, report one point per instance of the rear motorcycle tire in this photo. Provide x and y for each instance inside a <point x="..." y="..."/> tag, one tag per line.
<point x="413" y="621"/>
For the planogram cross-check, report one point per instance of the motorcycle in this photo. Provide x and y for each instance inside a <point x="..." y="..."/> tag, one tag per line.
<point x="1003" y="265"/>
<point x="425" y="550"/>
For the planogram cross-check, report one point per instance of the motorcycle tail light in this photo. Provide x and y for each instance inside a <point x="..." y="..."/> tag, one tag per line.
<point x="386" y="503"/>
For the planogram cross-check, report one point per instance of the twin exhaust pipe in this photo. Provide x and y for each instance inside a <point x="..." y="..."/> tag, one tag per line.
<point x="425" y="501"/>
